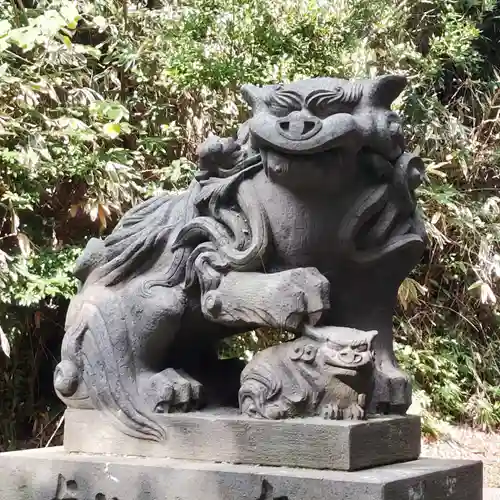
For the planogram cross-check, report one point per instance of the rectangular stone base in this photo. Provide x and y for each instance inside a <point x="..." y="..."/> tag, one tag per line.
<point x="225" y="436"/>
<point x="52" y="474"/>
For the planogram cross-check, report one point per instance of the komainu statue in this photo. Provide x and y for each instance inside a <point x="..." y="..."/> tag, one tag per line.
<point x="306" y="221"/>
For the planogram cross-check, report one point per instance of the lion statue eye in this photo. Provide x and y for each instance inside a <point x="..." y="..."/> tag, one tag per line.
<point x="324" y="103"/>
<point x="335" y="346"/>
<point x="361" y="348"/>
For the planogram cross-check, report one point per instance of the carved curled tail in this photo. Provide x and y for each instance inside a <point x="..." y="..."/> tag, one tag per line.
<point x="260" y="392"/>
<point x="108" y="371"/>
<point x="274" y="385"/>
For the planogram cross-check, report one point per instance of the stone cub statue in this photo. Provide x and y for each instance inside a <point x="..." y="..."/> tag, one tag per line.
<point x="328" y="372"/>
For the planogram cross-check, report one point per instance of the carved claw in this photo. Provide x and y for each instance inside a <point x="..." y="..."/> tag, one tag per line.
<point x="331" y="412"/>
<point x="172" y="390"/>
<point x="354" y="412"/>
<point x="392" y="389"/>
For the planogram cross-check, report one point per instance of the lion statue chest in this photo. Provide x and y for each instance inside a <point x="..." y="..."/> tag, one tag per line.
<point x="304" y="227"/>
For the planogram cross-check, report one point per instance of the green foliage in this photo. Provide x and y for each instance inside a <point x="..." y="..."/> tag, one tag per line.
<point x="103" y="103"/>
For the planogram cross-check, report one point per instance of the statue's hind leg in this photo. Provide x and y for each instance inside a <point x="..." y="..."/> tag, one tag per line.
<point x="116" y="354"/>
<point x="162" y="385"/>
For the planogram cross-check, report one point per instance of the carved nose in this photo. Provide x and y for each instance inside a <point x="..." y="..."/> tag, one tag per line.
<point x="298" y="127"/>
<point x="346" y="356"/>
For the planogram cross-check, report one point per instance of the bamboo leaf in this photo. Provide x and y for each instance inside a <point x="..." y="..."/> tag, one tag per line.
<point x="24" y="244"/>
<point x="4" y="343"/>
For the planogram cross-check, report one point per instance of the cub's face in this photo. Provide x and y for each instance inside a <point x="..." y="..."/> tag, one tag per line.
<point x="341" y="350"/>
<point x="346" y="350"/>
<point x="347" y="353"/>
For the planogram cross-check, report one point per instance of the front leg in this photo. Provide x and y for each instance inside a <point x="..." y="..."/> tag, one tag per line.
<point x="393" y="388"/>
<point x="282" y="300"/>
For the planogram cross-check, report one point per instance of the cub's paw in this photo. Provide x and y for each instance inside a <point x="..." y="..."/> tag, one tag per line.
<point x="171" y="391"/>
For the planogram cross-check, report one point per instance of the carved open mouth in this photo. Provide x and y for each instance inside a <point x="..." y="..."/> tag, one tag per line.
<point x="338" y="371"/>
<point x="383" y="219"/>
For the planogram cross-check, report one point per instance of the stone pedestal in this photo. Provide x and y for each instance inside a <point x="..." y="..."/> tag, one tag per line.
<point x="53" y="474"/>
<point x="224" y="456"/>
<point x="223" y="435"/>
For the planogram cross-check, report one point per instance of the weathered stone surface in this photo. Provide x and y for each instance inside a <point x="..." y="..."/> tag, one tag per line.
<point x="225" y="436"/>
<point x="52" y="474"/>
<point x="329" y="372"/>
<point x="307" y="217"/>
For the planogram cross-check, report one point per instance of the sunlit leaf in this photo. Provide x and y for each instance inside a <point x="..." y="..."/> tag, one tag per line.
<point x="487" y="295"/>
<point x="112" y="130"/>
<point x="102" y="217"/>
<point x="4" y="258"/>
<point x="24" y="244"/>
<point x="94" y="212"/>
<point x="73" y="211"/>
<point x="475" y="285"/>
<point x="14" y="222"/>
<point x="5" y="27"/>
<point x="435" y="217"/>
<point x="4" y="343"/>
<point x="100" y="22"/>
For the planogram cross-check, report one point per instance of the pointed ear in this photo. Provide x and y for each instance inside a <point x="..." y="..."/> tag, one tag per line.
<point x="385" y="89"/>
<point x="313" y="333"/>
<point x="251" y="94"/>
<point x="255" y="96"/>
<point x="370" y="336"/>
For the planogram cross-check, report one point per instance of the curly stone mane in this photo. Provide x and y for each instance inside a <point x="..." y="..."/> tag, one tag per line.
<point x="214" y="227"/>
<point x="190" y="238"/>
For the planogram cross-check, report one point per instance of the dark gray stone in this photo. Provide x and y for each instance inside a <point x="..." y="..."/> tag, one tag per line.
<point x="225" y="436"/>
<point x="51" y="474"/>
<point x="327" y="372"/>
<point x="308" y="218"/>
